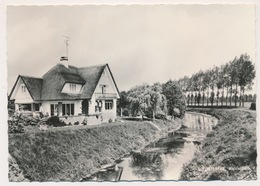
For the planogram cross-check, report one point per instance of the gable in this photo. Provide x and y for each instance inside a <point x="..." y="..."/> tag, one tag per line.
<point x="20" y="92"/>
<point x="55" y="83"/>
<point x="106" y="79"/>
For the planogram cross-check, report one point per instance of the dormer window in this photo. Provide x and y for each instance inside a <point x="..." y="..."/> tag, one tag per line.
<point x="72" y="87"/>
<point x="23" y="88"/>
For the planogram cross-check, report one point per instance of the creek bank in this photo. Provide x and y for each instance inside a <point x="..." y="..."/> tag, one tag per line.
<point x="71" y="154"/>
<point x="162" y="159"/>
<point x="229" y="151"/>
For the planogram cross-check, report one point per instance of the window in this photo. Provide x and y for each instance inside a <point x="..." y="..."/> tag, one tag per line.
<point x="68" y="109"/>
<point x="72" y="87"/>
<point x="23" y="88"/>
<point x="108" y="104"/>
<point x="54" y="109"/>
<point x="37" y="107"/>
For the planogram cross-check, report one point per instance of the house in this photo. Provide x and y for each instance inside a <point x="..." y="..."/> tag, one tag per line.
<point x="68" y="91"/>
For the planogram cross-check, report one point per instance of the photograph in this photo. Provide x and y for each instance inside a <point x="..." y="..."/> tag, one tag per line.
<point x="131" y="92"/>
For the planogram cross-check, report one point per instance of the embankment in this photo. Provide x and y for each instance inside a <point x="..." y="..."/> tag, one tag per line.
<point x="72" y="153"/>
<point x="229" y="151"/>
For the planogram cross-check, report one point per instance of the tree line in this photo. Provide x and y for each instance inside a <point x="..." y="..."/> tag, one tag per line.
<point x="155" y="101"/>
<point x="220" y="85"/>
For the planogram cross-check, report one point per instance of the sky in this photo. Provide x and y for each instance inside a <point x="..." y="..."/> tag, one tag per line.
<point x="141" y="43"/>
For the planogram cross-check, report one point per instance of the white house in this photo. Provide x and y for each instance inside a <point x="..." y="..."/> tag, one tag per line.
<point x="68" y="90"/>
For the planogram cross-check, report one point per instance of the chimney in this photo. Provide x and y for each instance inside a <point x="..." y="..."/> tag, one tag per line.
<point x="65" y="61"/>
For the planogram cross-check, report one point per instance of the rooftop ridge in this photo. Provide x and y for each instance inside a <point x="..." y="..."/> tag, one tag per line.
<point x="30" y="76"/>
<point x="92" y="66"/>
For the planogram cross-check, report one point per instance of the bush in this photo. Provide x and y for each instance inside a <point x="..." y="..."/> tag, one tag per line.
<point x="110" y="120"/>
<point x="125" y="112"/>
<point x="84" y="122"/>
<point x="15" y="124"/>
<point x="55" y="122"/>
<point x="253" y="106"/>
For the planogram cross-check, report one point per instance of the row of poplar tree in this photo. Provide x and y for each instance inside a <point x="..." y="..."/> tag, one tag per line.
<point x="220" y="85"/>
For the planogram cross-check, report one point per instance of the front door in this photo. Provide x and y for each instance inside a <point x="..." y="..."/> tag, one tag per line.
<point x="84" y="106"/>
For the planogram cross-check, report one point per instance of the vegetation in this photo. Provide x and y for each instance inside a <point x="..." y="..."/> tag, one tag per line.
<point x="56" y="122"/>
<point x="155" y="101"/>
<point x="175" y="99"/>
<point x="229" y="151"/>
<point x="70" y="154"/>
<point x="222" y="84"/>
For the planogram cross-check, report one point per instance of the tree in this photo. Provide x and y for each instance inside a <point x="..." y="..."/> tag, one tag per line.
<point x="234" y="69"/>
<point x="123" y="103"/>
<point x="145" y="99"/>
<point x="246" y="74"/>
<point x="206" y="83"/>
<point x="176" y="105"/>
<point x="226" y="79"/>
<point x="139" y="99"/>
<point x="157" y="99"/>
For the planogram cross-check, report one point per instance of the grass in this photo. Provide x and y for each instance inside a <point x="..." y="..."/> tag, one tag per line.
<point x="72" y="153"/>
<point x="229" y="151"/>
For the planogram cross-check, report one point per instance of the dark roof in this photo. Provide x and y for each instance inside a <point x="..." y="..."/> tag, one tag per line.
<point x="50" y="86"/>
<point x="54" y="80"/>
<point x="34" y="86"/>
<point x="91" y="75"/>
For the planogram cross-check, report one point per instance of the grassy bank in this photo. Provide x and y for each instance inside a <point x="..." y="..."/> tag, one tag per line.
<point x="71" y="153"/>
<point x="229" y="151"/>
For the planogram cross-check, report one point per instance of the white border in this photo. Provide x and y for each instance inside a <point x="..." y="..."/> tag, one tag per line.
<point x="3" y="81"/>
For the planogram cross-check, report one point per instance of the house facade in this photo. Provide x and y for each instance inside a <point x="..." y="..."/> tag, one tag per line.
<point x="68" y="91"/>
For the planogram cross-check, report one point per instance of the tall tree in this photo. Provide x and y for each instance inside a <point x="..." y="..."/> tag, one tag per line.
<point x="246" y="74"/>
<point x="139" y="99"/>
<point x="206" y="82"/>
<point x="157" y="99"/>
<point x="234" y="77"/>
<point x="176" y="105"/>
<point x="226" y="79"/>
<point x="122" y="103"/>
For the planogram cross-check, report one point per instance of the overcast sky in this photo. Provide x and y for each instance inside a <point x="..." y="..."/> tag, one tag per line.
<point x="141" y="43"/>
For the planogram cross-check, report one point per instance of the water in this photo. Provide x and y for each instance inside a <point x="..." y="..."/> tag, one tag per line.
<point x="163" y="159"/>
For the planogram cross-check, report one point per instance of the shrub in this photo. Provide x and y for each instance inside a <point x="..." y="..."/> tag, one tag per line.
<point x="15" y="124"/>
<point x="110" y="120"/>
<point x="253" y="106"/>
<point x="85" y="121"/>
<point x="55" y="121"/>
<point x="125" y="112"/>
<point x="76" y="123"/>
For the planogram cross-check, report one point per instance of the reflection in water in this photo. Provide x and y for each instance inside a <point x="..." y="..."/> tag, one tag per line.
<point x="164" y="159"/>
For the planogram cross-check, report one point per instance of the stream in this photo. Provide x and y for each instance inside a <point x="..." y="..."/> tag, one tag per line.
<point x="162" y="159"/>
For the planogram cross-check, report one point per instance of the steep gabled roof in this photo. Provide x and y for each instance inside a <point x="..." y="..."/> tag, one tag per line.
<point x="91" y="75"/>
<point x="50" y="86"/>
<point x="54" y="80"/>
<point x="33" y="85"/>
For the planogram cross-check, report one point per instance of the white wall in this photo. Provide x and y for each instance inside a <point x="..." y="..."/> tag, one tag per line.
<point x="19" y="96"/>
<point x="77" y="106"/>
<point x="66" y="88"/>
<point x="106" y="79"/>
